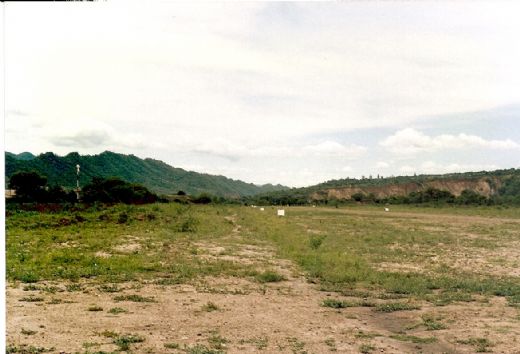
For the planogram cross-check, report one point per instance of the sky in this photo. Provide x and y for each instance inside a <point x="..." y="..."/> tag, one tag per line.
<point x="269" y="92"/>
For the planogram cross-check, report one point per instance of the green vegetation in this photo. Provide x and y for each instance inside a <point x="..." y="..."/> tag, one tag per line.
<point x="366" y="348"/>
<point x="172" y="345"/>
<point x="114" y="190"/>
<point x="395" y="306"/>
<point x="481" y="344"/>
<point x="32" y="299"/>
<point x="31" y="187"/>
<point x="259" y="343"/>
<point x="338" y="304"/>
<point x="27" y="349"/>
<point x="28" y="332"/>
<point x="124" y="341"/>
<point x="356" y="244"/>
<point x="413" y="339"/>
<point x="201" y="349"/>
<point x="210" y="307"/>
<point x="432" y="323"/>
<point x="216" y="341"/>
<point x="269" y="276"/>
<point x="153" y="174"/>
<point x="134" y="298"/>
<point x="38" y="248"/>
<point x="117" y="310"/>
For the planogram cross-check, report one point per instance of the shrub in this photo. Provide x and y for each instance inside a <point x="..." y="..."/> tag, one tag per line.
<point x="202" y="198"/>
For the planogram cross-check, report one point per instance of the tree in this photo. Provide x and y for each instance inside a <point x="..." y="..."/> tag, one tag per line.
<point x="29" y="186"/>
<point x="115" y="190"/>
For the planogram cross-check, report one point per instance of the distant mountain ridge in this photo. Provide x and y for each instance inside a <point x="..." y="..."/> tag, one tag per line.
<point x="153" y="174"/>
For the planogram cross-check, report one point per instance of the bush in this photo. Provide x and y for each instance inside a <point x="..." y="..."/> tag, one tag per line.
<point x="470" y="197"/>
<point x="358" y="197"/>
<point x="202" y="198"/>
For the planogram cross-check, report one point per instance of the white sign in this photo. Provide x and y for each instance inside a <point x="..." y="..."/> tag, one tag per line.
<point x="281" y="212"/>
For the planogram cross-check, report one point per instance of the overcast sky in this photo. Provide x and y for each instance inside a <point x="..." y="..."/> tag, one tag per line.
<point x="268" y="92"/>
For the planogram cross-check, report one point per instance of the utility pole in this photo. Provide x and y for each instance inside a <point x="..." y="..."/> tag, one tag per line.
<point x="77" y="182"/>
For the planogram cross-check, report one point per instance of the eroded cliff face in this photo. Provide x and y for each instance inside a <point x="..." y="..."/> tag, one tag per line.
<point x="484" y="186"/>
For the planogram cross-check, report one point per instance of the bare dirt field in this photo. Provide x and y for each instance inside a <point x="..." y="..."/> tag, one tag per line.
<point x="228" y="314"/>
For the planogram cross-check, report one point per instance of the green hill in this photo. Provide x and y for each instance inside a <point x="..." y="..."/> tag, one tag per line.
<point x="154" y="174"/>
<point x="500" y="186"/>
<point x="22" y="156"/>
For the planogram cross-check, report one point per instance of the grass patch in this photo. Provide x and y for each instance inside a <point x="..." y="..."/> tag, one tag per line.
<point x="216" y="341"/>
<point x="88" y="345"/>
<point x="269" y="276"/>
<point x="110" y="288"/>
<point x="27" y="332"/>
<point x="335" y="304"/>
<point x="331" y="344"/>
<point x="449" y="297"/>
<point x="366" y="348"/>
<point x="296" y="345"/>
<point x="210" y="307"/>
<point x="481" y="344"/>
<point x="73" y="287"/>
<point x="134" y="298"/>
<point x="432" y="323"/>
<point x="117" y="310"/>
<point x="124" y="341"/>
<point x="201" y="349"/>
<point x="27" y="349"/>
<point x="413" y="339"/>
<point x="395" y="306"/>
<point x="339" y="304"/>
<point x="367" y="335"/>
<point x="514" y="301"/>
<point x="28" y="277"/>
<point x="172" y="345"/>
<point x="55" y="301"/>
<point x="31" y="299"/>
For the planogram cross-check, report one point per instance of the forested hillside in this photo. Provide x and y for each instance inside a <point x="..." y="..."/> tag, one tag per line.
<point x="154" y="174"/>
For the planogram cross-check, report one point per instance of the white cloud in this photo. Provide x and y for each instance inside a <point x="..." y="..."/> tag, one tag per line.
<point x="226" y="148"/>
<point x="411" y="141"/>
<point x="382" y="164"/>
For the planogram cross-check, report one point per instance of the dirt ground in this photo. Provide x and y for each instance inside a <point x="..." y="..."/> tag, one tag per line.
<point x="238" y="315"/>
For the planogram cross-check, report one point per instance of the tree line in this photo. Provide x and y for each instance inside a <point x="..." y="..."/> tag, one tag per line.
<point x="31" y="187"/>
